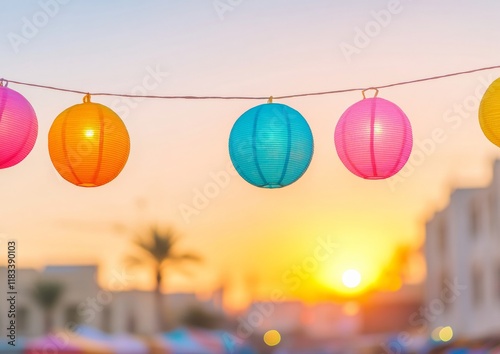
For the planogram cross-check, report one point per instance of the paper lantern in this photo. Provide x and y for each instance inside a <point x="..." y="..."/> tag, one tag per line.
<point x="88" y="144"/>
<point x="271" y="145"/>
<point x="373" y="138"/>
<point x="18" y="127"/>
<point x="489" y="113"/>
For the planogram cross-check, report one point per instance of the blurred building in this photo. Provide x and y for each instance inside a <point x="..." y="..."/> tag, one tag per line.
<point x="79" y="284"/>
<point x="84" y="302"/>
<point x="316" y="321"/>
<point x="463" y="262"/>
<point x="391" y="311"/>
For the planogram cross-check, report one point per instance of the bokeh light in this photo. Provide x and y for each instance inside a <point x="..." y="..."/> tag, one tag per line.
<point x="446" y="334"/>
<point x="272" y="338"/>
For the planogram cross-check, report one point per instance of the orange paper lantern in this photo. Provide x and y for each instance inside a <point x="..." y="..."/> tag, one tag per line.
<point x="88" y="144"/>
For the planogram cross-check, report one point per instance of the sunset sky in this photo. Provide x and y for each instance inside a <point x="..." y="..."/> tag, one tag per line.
<point x="178" y="147"/>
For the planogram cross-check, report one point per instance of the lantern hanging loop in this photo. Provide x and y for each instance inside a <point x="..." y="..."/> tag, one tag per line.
<point x="370" y="88"/>
<point x="86" y="98"/>
<point x="270" y="100"/>
<point x="3" y="82"/>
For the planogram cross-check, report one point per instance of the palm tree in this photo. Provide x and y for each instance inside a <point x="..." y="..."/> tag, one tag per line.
<point x="47" y="295"/>
<point x="157" y="250"/>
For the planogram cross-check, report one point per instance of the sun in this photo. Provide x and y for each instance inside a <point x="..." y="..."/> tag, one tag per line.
<point x="351" y="278"/>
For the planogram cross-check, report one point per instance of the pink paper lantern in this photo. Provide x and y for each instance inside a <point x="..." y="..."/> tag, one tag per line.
<point x="18" y="127"/>
<point x="373" y="138"/>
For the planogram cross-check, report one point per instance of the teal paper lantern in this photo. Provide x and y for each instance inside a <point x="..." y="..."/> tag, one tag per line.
<point x="271" y="145"/>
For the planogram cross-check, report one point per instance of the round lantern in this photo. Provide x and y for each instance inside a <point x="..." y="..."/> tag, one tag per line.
<point x="373" y="138"/>
<point x="489" y="113"/>
<point x="88" y="144"/>
<point x="271" y="145"/>
<point x="18" y="127"/>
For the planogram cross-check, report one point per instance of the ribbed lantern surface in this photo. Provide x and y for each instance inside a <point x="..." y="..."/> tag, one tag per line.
<point x="373" y="138"/>
<point x="489" y="113"/>
<point x="88" y="144"/>
<point x="18" y="127"/>
<point x="271" y="145"/>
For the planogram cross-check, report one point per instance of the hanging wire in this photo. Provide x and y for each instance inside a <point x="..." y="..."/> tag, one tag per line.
<point x="191" y="97"/>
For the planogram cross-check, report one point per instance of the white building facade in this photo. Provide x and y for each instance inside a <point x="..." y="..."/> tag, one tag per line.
<point x="463" y="262"/>
<point x="83" y="302"/>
